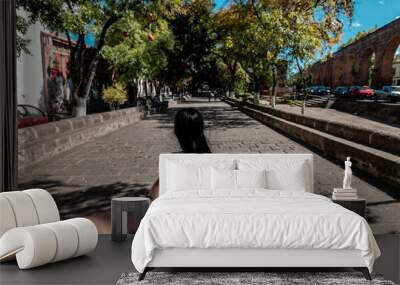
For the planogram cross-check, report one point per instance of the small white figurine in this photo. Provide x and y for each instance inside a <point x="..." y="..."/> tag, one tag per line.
<point x="347" y="174"/>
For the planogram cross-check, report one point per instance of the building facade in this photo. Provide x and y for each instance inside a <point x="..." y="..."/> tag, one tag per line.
<point x="29" y="70"/>
<point x="42" y="74"/>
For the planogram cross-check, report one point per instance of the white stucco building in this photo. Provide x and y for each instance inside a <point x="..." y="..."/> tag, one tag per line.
<point x="30" y="71"/>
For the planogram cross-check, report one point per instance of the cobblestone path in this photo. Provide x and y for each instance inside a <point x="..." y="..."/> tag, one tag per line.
<point x="125" y="162"/>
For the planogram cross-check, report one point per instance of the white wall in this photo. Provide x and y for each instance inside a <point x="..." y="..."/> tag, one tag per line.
<point x="29" y="70"/>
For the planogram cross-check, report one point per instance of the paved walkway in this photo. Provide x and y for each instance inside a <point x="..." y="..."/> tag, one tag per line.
<point x="341" y="117"/>
<point x="125" y="162"/>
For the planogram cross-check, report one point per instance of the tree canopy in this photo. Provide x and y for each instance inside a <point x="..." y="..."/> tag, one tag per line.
<point x="189" y="44"/>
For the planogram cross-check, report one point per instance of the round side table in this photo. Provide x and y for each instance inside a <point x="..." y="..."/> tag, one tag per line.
<point x="119" y="209"/>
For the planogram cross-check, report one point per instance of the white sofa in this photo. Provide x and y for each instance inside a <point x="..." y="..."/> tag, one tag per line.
<point x="31" y="231"/>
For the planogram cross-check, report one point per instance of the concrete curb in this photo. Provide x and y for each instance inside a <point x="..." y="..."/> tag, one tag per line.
<point x="376" y="139"/>
<point x="44" y="141"/>
<point x="379" y="164"/>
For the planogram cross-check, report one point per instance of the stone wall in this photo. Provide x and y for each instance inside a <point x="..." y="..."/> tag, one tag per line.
<point x="378" y="139"/>
<point x="44" y="141"/>
<point x="387" y="113"/>
<point x="382" y="165"/>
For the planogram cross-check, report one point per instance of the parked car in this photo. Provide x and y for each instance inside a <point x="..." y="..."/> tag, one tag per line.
<point x="322" y="91"/>
<point x="380" y="94"/>
<point x="361" y="92"/>
<point x="341" y="91"/>
<point x="313" y="89"/>
<point x="30" y="116"/>
<point x="392" y="93"/>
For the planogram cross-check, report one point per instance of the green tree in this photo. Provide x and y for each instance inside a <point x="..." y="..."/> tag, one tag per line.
<point x="47" y="12"/>
<point x="228" y="28"/>
<point x="156" y="54"/>
<point x="94" y="18"/>
<point x="307" y="27"/>
<point x="83" y="18"/>
<point x="115" y="95"/>
<point x="137" y="49"/>
<point x="193" y="55"/>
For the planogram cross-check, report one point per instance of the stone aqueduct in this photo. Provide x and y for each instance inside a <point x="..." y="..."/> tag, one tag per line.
<point x="349" y="66"/>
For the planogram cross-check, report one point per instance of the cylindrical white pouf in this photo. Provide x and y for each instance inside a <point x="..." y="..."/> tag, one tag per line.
<point x="23" y="208"/>
<point x="67" y="240"/>
<point x="34" y="246"/>
<point x="87" y="234"/>
<point x="7" y="218"/>
<point x="45" y="205"/>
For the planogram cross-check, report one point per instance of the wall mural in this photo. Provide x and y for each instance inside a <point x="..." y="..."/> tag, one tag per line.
<point x="58" y="84"/>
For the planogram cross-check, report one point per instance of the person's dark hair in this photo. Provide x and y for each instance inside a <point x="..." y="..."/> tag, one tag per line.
<point x="189" y="127"/>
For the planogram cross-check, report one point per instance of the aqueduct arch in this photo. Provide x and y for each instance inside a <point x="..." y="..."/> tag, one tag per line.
<point x="349" y="66"/>
<point x="387" y="58"/>
<point x="363" y="66"/>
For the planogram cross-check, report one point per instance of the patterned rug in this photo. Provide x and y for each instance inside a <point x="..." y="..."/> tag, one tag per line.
<point x="244" y="278"/>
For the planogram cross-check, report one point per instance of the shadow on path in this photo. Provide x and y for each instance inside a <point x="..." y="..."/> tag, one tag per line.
<point x="84" y="200"/>
<point x="217" y="117"/>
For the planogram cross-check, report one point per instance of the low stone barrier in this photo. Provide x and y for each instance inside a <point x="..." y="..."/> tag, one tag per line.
<point x="388" y="113"/>
<point x="374" y="138"/>
<point x="377" y="163"/>
<point x="40" y="142"/>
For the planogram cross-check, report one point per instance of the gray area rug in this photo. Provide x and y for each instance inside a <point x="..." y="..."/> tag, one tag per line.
<point x="236" y="278"/>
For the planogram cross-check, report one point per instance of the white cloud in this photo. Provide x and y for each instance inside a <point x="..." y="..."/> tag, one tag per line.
<point x="355" y="25"/>
<point x="398" y="17"/>
<point x="381" y="2"/>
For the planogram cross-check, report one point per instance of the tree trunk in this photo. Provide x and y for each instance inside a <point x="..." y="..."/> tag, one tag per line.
<point x="303" y="82"/>
<point x="132" y="93"/>
<point x="256" y="93"/>
<point x="158" y="87"/>
<point x="146" y="91"/>
<point x="274" y="90"/>
<point x="256" y="97"/>
<point x="85" y="85"/>
<point x="80" y="107"/>
<point x="232" y="71"/>
<point x="82" y="98"/>
<point x="232" y="88"/>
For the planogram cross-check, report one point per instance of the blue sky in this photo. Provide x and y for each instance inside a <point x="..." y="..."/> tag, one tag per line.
<point x="368" y="14"/>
